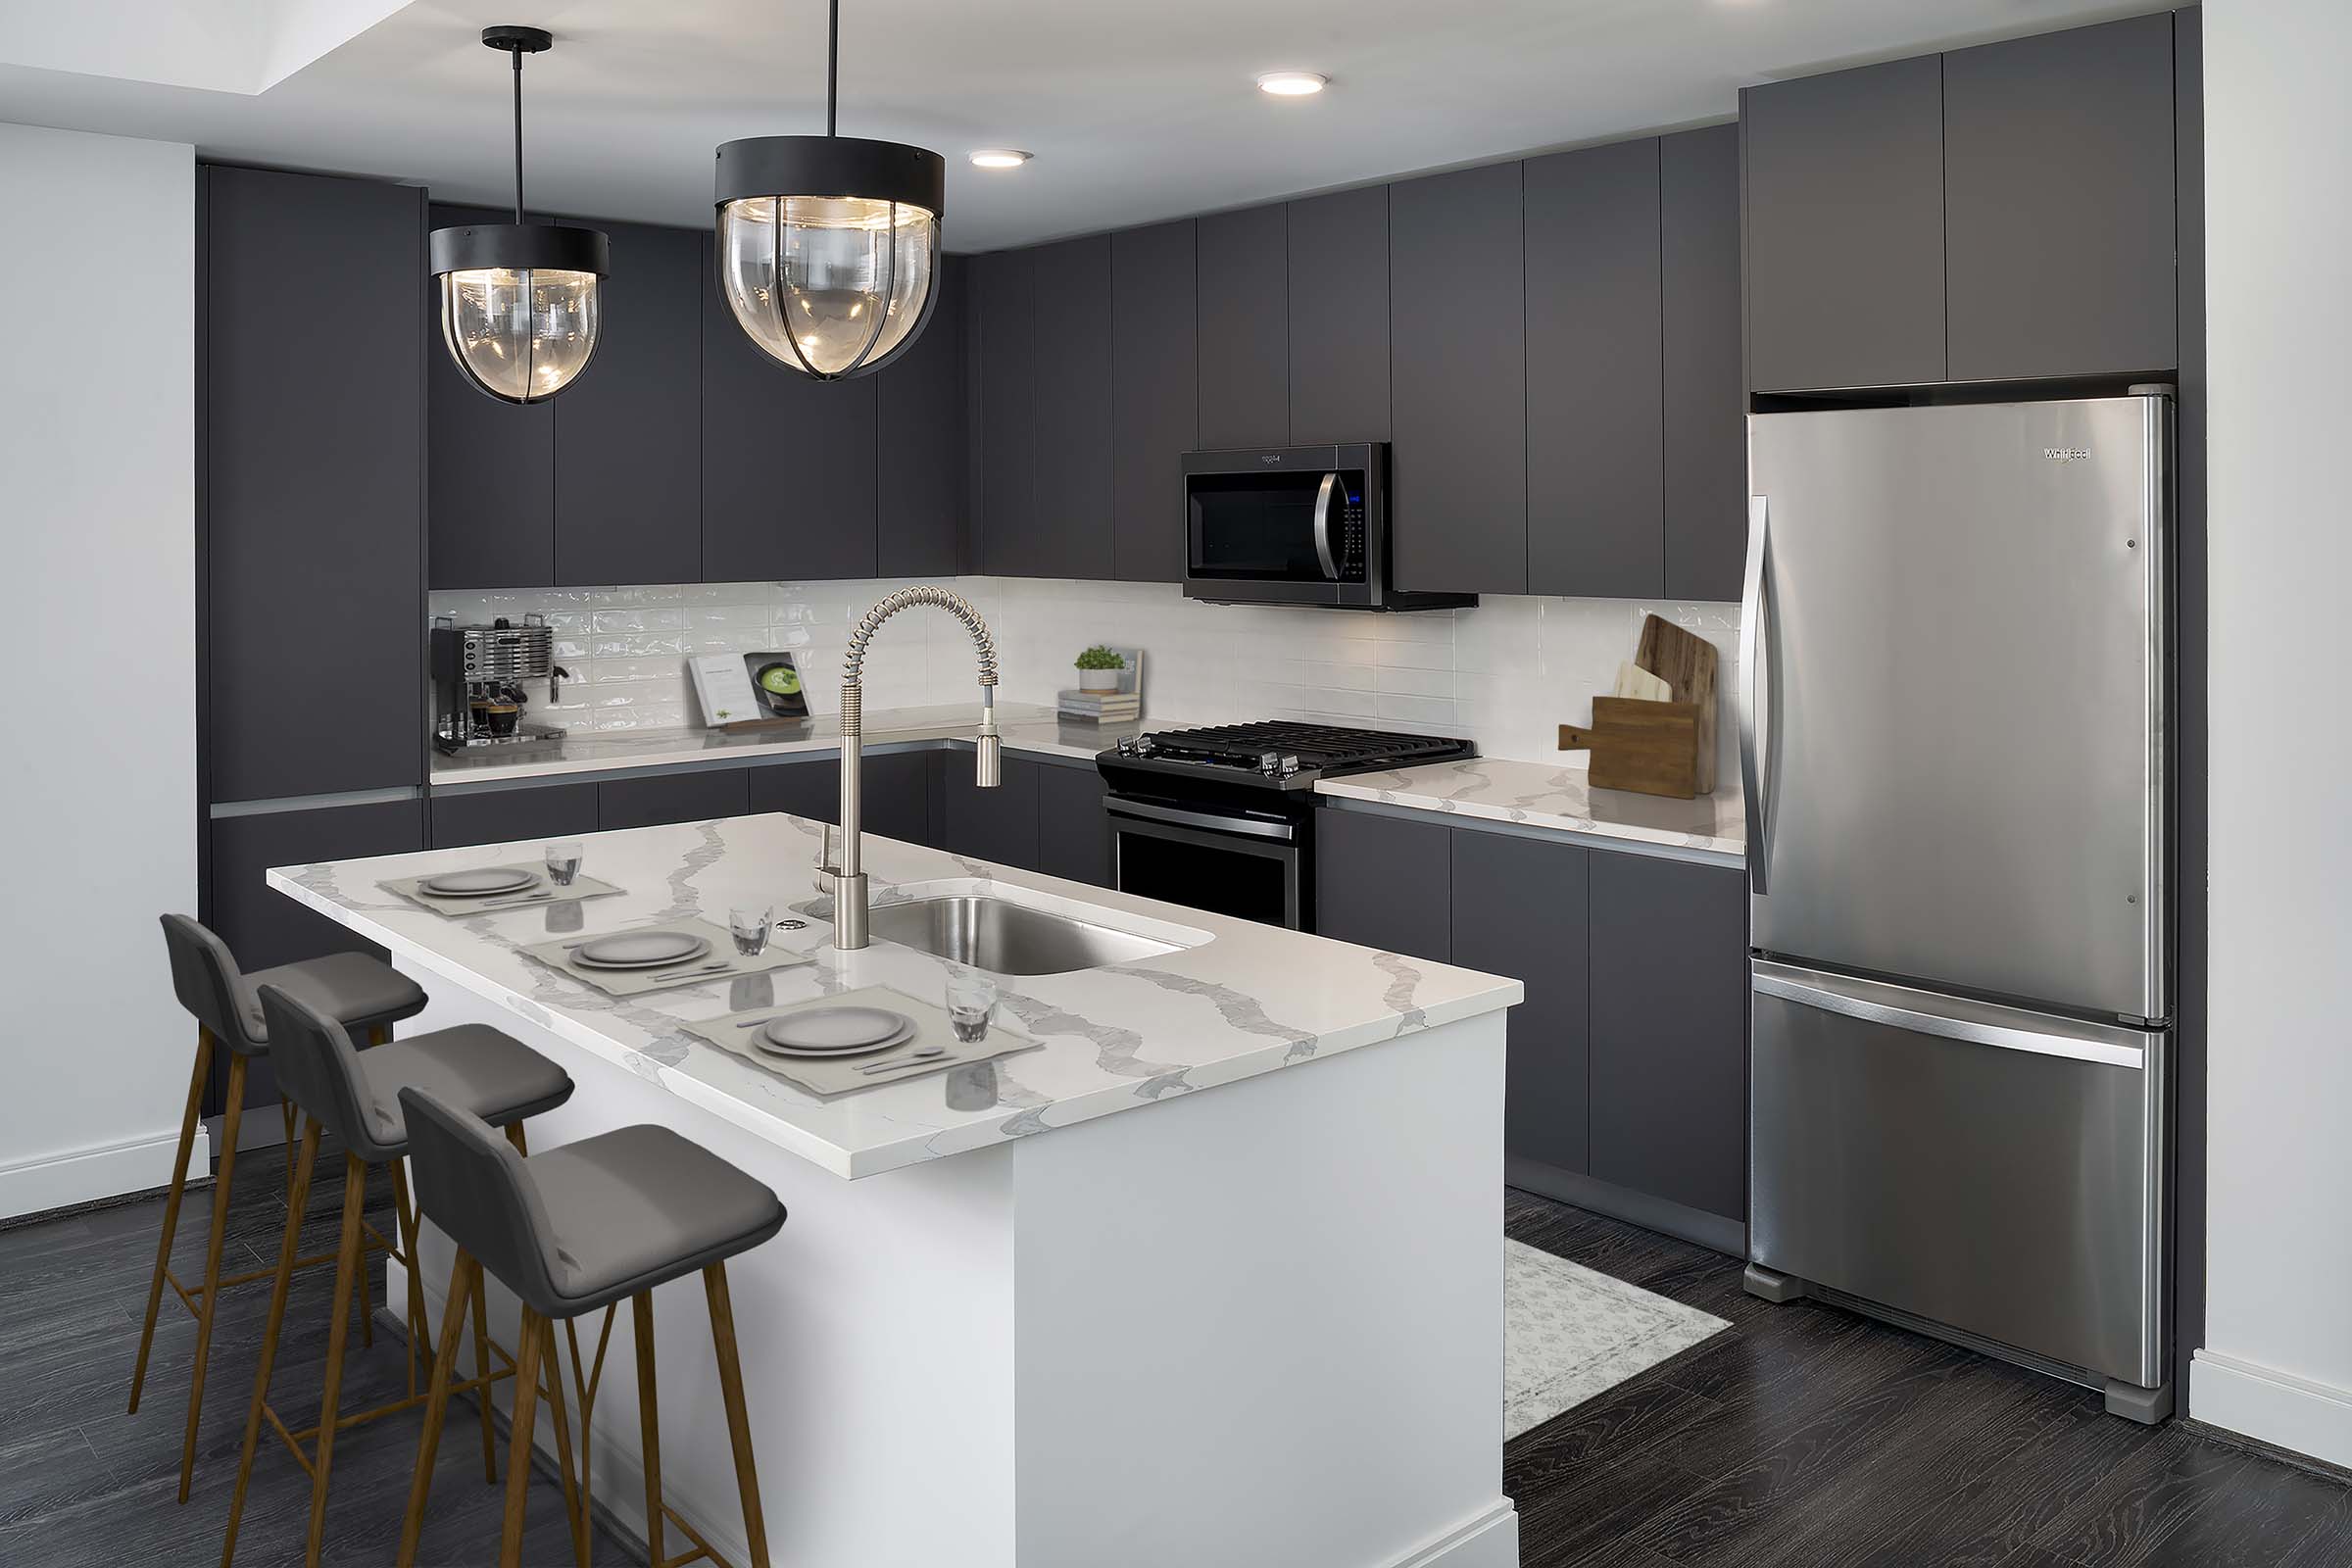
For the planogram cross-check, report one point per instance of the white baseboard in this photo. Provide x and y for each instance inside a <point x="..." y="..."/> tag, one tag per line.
<point x="2276" y="1407"/>
<point x="87" y="1175"/>
<point x="1491" y="1540"/>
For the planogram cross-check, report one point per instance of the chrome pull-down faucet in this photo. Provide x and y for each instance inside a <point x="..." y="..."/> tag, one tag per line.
<point x="849" y="876"/>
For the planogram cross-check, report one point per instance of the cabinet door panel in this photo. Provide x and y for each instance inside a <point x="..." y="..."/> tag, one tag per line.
<point x="314" y="484"/>
<point x="1008" y="376"/>
<point x="1339" y="316"/>
<point x="2058" y="157"/>
<point x="685" y="796"/>
<point x="1667" y="984"/>
<point x="1519" y="910"/>
<point x="1384" y="882"/>
<point x="490" y="498"/>
<point x="897" y="786"/>
<point x="629" y="432"/>
<point x="1064" y="536"/>
<point x="1595" y="508"/>
<point x="1845" y="206"/>
<point x="1242" y="278"/>
<point x="994" y="824"/>
<point x="923" y="497"/>
<point x="502" y="816"/>
<point x="1705" y="429"/>
<point x="1457" y="332"/>
<point x="1073" y="829"/>
<point x="264" y="927"/>
<point x="1155" y="391"/>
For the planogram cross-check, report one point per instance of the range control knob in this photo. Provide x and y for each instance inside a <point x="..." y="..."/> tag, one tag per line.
<point x="1269" y="764"/>
<point x="1126" y="745"/>
<point x="1290" y="765"/>
<point x="1145" y="746"/>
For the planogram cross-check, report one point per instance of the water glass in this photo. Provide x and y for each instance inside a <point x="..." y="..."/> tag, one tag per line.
<point x="972" y="999"/>
<point x="751" y="930"/>
<point x="564" y="863"/>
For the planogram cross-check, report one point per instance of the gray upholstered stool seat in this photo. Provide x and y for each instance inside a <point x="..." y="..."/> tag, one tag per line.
<point x="356" y="991"/>
<point x="491" y="1074"/>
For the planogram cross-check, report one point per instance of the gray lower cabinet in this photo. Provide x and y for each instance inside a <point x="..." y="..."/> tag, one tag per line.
<point x="1385" y="882"/>
<point x="1519" y="908"/>
<point x="1701" y="388"/>
<point x="896" y="792"/>
<point x="691" y="796"/>
<point x="996" y="824"/>
<point x="1243" y="294"/>
<point x="1073" y="831"/>
<point x="1154" y="387"/>
<point x="502" y="816"/>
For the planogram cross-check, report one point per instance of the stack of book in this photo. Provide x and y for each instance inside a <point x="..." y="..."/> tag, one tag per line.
<point x="1102" y="708"/>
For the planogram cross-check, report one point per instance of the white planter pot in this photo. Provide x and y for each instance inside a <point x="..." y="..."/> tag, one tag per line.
<point x="1099" y="680"/>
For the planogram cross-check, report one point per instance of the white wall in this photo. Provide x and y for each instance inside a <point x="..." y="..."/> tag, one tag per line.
<point x="2278" y="1355"/>
<point x="97" y="513"/>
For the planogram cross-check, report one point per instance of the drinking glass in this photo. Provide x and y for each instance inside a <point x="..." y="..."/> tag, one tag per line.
<point x="564" y="863"/>
<point x="751" y="930"/>
<point x="972" y="999"/>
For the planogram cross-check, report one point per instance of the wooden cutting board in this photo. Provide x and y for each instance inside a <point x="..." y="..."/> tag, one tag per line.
<point x="1686" y="663"/>
<point x="1651" y="747"/>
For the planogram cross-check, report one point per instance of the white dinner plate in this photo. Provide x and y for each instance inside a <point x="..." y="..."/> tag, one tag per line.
<point x="477" y="884"/>
<point x="832" y="1031"/>
<point x="767" y="1048"/>
<point x="641" y="950"/>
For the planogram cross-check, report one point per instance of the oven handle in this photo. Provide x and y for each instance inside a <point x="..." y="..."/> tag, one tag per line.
<point x="1207" y="821"/>
<point x="1323" y="555"/>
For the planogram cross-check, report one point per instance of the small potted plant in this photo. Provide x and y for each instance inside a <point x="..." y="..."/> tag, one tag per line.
<point x="1099" y="669"/>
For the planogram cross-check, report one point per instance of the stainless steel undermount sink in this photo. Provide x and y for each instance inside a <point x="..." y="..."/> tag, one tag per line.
<point x="1006" y="938"/>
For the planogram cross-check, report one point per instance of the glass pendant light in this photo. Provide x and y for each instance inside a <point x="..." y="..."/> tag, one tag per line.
<point x="828" y="245"/>
<point x="521" y="302"/>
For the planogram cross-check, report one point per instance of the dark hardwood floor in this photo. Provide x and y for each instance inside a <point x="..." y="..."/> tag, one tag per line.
<point x="1800" y="1436"/>
<point x="1803" y="1435"/>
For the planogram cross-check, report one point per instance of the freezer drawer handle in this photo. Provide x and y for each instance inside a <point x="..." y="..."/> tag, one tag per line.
<point x="1751" y="641"/>
<point x="2059" y="1038"/>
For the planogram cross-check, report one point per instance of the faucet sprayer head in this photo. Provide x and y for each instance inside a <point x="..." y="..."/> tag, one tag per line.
<point x="989" y="765"/>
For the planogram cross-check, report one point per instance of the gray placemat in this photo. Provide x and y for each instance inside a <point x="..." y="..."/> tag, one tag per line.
<point x="538" y="896"/>
<point x="828" y="1076"/>
<point x="556" y="955"/>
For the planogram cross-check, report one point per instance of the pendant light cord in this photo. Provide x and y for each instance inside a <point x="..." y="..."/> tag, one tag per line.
<point x="519" y="137"/>
<point x="833" y="69"/>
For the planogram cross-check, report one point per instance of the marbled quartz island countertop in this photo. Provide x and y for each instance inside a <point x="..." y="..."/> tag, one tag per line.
<point x="1249" y="999"/>
<point x="1545" y="795"/>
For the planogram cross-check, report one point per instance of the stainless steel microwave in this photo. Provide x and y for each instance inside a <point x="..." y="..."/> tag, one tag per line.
<point x="1294" y="525"/>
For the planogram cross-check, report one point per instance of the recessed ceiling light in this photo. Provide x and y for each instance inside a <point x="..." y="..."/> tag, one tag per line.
<point x="1293" y="83"/>
<point x="1000" y="158"/>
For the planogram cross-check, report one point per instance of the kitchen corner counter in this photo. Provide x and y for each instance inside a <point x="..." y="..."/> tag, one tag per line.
<point x="1548" y="796"/>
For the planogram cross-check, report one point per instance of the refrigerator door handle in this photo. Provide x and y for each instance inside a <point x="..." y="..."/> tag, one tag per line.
<point x="1960" y="1018"/>
<point x="1751" y="642"/>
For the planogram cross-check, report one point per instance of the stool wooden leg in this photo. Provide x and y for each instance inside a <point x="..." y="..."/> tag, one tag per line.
<point x="212" y="1266"/>
<point x="409" y="1225"/>
<point x="739" y="1419"/>
<point x="348" y="1266"/>
<point x="360" y="1295"/>
<point x="180" y="1182"/>
<point x="481" y="1370"/>
<point x="287" y="1248"/>
<point x="464" y="1281"/>
<point x="518" y="1448"/>
<point x="285" y="1114"/>
<point x="557" y="1406"/>
<point x="649" y="1420"/>
<point x="514" y="1137"/>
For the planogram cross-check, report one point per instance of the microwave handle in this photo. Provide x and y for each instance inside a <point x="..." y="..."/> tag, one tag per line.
<point x="1323" y="555"/>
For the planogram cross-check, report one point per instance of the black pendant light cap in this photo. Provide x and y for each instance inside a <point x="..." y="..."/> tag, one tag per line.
<point x="832" y="165"/>
<point x="551" y="247"/>
<point x="520" y="40"/>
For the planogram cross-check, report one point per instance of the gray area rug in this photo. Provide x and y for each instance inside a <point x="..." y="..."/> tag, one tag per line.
<point x="1570" y="1333"/>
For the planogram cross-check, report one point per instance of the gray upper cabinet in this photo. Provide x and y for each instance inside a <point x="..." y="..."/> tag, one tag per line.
<point x="490" y="498"/>
<point x="1457" y="334"/>
<point x="1705" y="429"/>
<point x="314" y="484"/>
<point x="2059" y="201"/>
<point x="788" y="462"/>
<point x="1154" y="411"/>
<point x="1008" y="376"/>
<point x="1070" y="330"/>
<point x="1595" y="507"/>
<point x="1339" y="316"/>
<point x="628" y="431"/>
<point x="922" y="492"/>
<point x="1244" y="299"/>
<point x="1519" y="910"/>
<point x="1845" y="205"/>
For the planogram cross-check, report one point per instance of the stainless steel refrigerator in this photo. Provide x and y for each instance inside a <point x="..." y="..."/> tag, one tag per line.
<point x="1954" y="685"/>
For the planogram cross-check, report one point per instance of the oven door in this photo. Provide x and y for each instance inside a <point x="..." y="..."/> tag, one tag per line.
<point x="1249" y="864"/>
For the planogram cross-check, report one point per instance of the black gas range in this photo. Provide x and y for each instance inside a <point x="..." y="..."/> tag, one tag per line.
<point x="1222" y="818"/>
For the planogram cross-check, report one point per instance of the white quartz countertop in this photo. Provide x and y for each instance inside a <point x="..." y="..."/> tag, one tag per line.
<point x="1545" y="795"/>
<point x="1249" y="999"/>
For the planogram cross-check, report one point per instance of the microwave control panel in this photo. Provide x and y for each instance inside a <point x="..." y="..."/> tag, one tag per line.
<point x="1347" y="545"/>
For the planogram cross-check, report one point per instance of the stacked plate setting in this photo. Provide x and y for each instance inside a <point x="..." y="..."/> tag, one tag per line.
<point x="641" y="950"/>
<point x="486" y="882"/>
<point x="833" y="1032"/>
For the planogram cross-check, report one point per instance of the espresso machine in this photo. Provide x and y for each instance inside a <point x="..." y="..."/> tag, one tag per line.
<point x="478" y="675"/>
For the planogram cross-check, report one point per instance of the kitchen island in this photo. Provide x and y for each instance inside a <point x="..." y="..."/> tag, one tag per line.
<point x="1211" y="1275"/>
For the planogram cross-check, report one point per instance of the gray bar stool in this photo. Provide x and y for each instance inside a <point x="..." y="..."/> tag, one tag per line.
<point x="361" y="993"/>
<point x="570" y="1231"/>
<point x="357" y="1099"/>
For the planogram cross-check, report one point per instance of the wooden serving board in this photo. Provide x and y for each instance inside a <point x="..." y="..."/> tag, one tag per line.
<point x="1686" y="663"/>
<point x="1651" y="747"/>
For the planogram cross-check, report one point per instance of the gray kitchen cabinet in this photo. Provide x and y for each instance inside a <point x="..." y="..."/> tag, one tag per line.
<point x="501" y="816"/>
<point x="1004" y="296"/>
<point x="628" y="430"/>
<point x="313" y="492"/>
<point x="788" y="462"/>
<point x="1385" y="882"/>
<point x="1668" y="1011"/>
<point x="923" y="498"/>
<point x="1243" y="279"/>
<point x="1338" y="267"/>
<point x="2059" y="203"/>
<point x="1702" y="393"/>
<point x="1155" y="391"/>
<point x="1457" y="335"/>
<point x="1845" y="206"/>
<point x="1064" y="534"/>
<point x="1519" y="910"/>
<point x="996" y="824"/>
<point x="1073" y="830"/>
<point x="1595" y="501"/>
<point x="896" y="785"/>
<point x="692" y="795"/>
<point x="490" y="493"/>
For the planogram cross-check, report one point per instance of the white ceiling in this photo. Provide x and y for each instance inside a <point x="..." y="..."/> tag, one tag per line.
<point x="1135" y="110"/>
